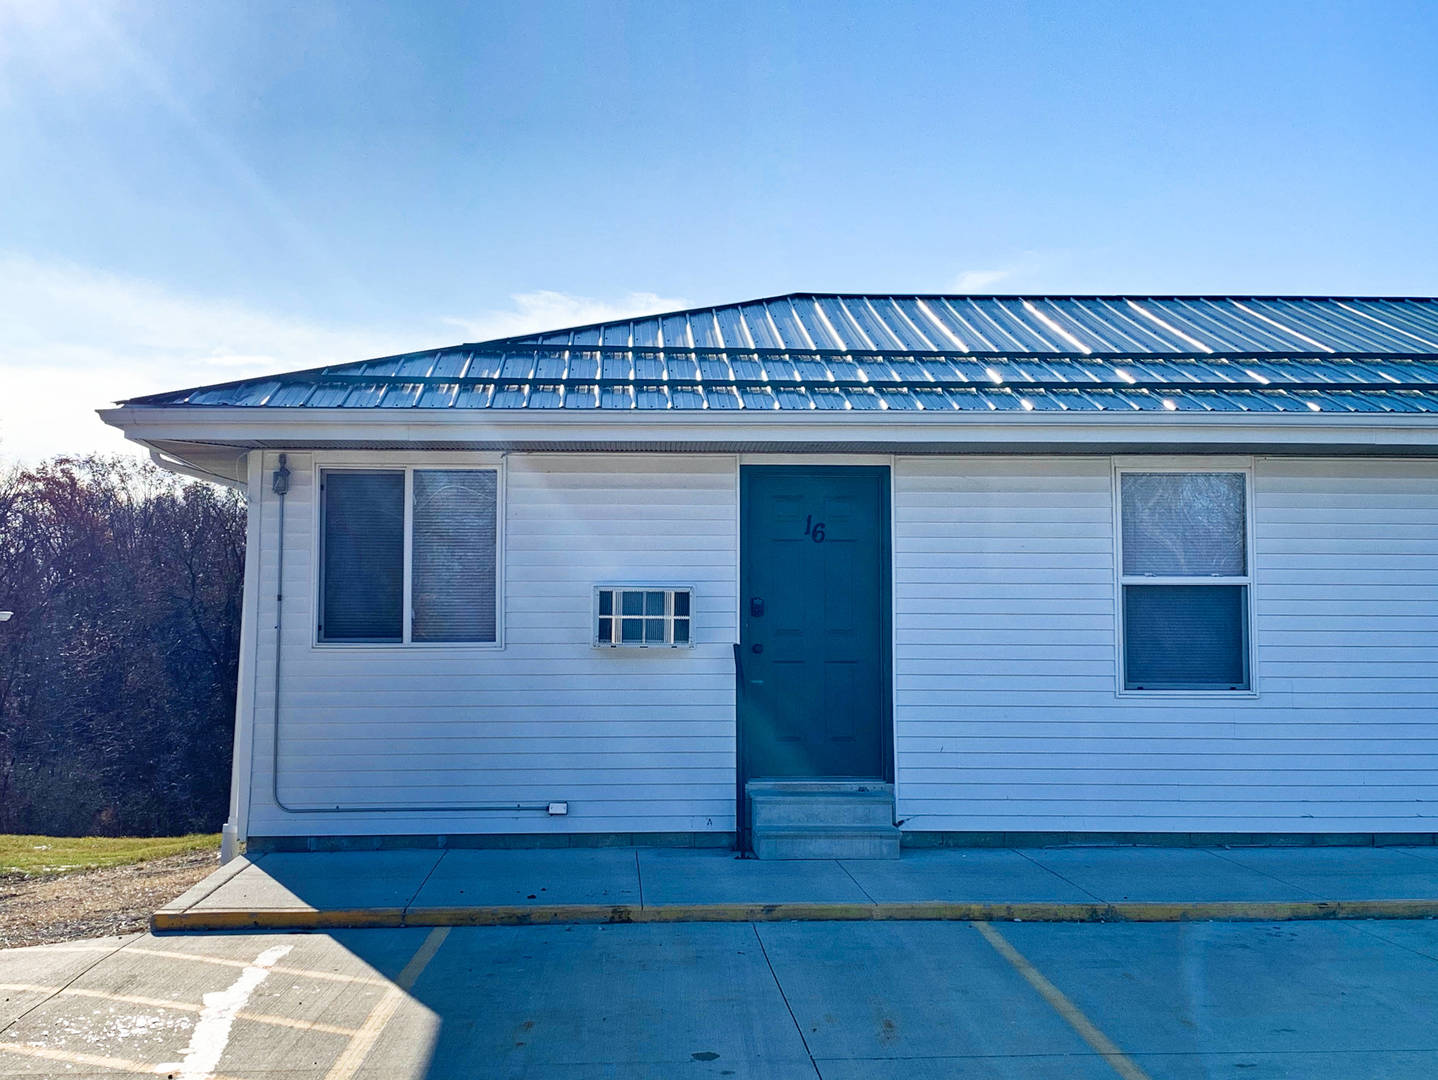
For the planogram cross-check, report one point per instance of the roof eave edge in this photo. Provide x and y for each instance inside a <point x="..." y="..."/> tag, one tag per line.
<point x="238" y="426"/>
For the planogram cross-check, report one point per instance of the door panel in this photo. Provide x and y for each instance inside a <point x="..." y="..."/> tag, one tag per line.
<point x="814" y="638"/>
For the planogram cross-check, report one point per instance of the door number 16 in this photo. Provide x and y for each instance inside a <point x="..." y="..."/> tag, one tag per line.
<point x="814" y="530"/>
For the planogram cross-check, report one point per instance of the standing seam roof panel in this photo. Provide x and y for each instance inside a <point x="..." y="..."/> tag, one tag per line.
<point x="850" y="333"/>
<point x="1328" y="322"/>
<point x="675" y="329"/>
<point x="820" y="333"/>
<point x="875" y="328"/>
<point x="892" y="311"/>
<point x="1106" y="324"/>
<point x="704" y="330"/>
<point x="756" y="320"/>
<point x="791" y="329"/>
<point x="1411" y="323"/>
<point x="1218" y="354"/>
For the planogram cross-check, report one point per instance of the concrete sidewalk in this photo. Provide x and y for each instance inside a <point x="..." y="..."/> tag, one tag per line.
<point x="460" y="887"/>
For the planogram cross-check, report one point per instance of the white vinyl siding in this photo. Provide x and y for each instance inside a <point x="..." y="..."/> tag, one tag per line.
<point x="1007" y="717"/>
<point x="635" y="740"/>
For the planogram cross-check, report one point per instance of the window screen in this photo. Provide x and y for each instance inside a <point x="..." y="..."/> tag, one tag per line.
<point x="1185" y="580"/>
<point x="453" y="550"/>
<point x="1188" y="637"/>
<point x="363" y="557"/>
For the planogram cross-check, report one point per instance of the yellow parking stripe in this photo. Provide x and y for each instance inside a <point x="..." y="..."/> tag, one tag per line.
<point x="1058" y="1000"/>
<point x="94" y="1061"/>
<point x="279" y="969"/>
<point x="348" y="1063"/>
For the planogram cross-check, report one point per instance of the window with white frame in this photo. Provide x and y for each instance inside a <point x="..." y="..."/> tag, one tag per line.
<point x="642" y="615"/>
<point x="1184" y="580"/>
<point x="433" y="532"/>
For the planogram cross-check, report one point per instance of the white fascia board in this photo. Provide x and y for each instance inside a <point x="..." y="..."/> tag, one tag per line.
<point x="258" y="426"/>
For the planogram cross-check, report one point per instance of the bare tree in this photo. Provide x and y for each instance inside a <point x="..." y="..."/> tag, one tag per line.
<point x="117" y="671"/>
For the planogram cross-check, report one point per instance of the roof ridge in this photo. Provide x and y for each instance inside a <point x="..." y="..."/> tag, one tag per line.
<point x="1020" y="297"/>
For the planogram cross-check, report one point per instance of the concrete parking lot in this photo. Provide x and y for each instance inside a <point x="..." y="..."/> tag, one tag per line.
<point x="1184" y="1001"/>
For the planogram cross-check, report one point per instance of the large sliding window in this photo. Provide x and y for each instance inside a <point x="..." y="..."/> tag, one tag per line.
<point x="428" y="535"/>
<point x="1185" y="580"/>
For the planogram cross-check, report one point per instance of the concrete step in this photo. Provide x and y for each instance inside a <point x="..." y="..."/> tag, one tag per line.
<point x="821" y="808"/>
<point x="822" y="819"/>
<point x="826" y="842"/>
<point x="823" y="787"/>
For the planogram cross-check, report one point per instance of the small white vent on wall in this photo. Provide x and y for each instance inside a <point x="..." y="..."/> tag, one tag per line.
<point x="643" y="617"/>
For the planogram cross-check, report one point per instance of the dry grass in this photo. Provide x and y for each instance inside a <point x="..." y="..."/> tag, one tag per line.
<point x="62" y="888"/>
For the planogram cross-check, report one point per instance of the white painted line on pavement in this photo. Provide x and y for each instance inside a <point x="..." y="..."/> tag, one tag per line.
<point x="212" y="1030"/>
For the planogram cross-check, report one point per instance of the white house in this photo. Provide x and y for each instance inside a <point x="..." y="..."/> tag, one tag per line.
<point x="979" y="566"/>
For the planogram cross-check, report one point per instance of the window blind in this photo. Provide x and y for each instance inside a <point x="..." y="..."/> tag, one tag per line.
<point x="454" y="548"/>
<point x="363" y="549"/>
<point x="1184" y="524"/>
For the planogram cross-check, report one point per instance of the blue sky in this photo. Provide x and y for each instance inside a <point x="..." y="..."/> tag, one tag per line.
<point x="195" y="192"/>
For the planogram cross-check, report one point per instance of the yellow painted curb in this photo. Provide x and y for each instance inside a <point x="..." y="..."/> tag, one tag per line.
<point x="277" y="919"/>
<point x="921" y="910"/>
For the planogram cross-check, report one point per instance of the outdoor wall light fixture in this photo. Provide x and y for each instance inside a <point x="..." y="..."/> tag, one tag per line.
<point x="281" y="482"/>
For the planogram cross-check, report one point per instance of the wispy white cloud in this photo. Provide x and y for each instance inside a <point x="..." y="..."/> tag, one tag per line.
<point x="73" y="339"/>
<point x="972" y="281"/>
<point x="1024" y="271"/>
<point x="546" y="310"/>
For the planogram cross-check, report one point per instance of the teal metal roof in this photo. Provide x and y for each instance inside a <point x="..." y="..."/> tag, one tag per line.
<point x="810" y="351"/>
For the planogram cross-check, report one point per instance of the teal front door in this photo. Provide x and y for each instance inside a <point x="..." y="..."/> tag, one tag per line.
<point x="813" y="657"/>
